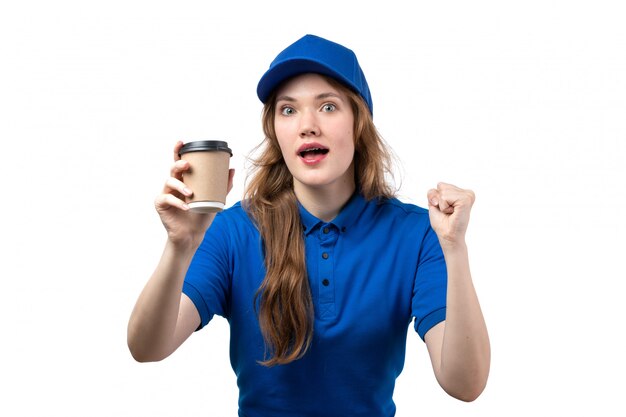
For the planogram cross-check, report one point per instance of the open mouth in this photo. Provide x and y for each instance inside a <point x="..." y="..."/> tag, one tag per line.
<point x="311" y="152"/>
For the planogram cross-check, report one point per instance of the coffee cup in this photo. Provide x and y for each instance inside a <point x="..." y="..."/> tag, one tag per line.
<point x="207" y="175"/>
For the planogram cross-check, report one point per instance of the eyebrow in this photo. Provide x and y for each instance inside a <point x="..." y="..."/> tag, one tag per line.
<point x="321" y="96"/>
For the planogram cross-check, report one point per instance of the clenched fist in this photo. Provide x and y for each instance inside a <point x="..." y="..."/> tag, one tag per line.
<point x="449" y="210"/>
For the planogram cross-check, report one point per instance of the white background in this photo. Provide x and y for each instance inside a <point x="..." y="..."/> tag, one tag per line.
<point x="523" y="102"/>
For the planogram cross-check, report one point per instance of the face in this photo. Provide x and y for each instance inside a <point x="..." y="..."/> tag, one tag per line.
<point x="314" y="125"/>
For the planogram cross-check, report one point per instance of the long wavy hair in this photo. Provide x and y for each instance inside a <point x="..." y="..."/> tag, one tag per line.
<point x="283" y="301"/>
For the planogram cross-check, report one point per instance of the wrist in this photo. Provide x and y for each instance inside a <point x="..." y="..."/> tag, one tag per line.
<point x="453" y="248"/>
<point x="191" y="235"/>
<point x="183" y="247"/>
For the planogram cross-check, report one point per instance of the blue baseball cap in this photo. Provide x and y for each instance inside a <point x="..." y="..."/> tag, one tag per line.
<point x="318" y="55"/>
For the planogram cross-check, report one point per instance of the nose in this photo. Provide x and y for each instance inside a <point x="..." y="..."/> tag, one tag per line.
<point x="308" y="124"/>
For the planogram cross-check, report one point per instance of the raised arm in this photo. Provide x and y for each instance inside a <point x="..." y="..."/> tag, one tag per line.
<point x="163" y="317"/>
<point x="459" y="347"/>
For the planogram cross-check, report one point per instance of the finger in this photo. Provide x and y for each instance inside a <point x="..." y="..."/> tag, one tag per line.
<point x="447" y="198"/>
<point x="178" y="168"/>
<point x="455" y="196"/>
<point x="177" y="147"/>
<point x="433" y="197"/>
<point x="231" y="175"/>
<point x="446" y="186"/>
<point x="445" y="207"/>
<point x="175" y="185"/>
<point x="167" y="201"/>
<point x="471" y="196"/>
<point x="439" y="198"/>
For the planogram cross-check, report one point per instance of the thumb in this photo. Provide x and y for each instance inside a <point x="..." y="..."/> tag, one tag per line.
<point x="437" y="202"/>
<point x="231" y="175"/>
<point x="433" y="197"/>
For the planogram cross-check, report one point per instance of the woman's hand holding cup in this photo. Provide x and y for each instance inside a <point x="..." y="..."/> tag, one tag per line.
<point x="183" y="226"/>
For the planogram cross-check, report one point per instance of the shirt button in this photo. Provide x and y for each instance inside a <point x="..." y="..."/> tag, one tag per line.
<point x="325" y="282"/>
<point x="343" y="229"/>
<point x="326" y="230"/>
<point x="325" y="255"/>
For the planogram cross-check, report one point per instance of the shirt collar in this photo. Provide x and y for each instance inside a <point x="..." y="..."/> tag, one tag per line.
<point x="348" y="215"/>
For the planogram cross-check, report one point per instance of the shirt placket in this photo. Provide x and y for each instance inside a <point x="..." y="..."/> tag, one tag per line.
<point x="327" y="236"/>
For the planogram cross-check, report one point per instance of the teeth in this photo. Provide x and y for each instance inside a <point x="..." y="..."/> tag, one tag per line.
<point x="318" y="150"/>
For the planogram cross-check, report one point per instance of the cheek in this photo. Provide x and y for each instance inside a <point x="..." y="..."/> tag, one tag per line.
<point x="280" y="137"/>
<point x="346" y="151"/>
<point x="348" y="142"/>
<point x="284" y="150"/>
<point x="285" y="128"/>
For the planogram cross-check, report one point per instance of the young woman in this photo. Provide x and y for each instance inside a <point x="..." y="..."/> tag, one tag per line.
<point x="319" y="270"/>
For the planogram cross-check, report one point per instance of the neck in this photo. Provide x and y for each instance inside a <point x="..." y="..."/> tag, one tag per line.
<point x="326" y="202"/>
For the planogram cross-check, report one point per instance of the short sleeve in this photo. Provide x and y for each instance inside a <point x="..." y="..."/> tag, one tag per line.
<point x="430" y="285"/>
<point x="207" y="282"/>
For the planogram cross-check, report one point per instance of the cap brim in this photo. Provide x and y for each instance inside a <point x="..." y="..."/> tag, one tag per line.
<point x="290" y="68"/>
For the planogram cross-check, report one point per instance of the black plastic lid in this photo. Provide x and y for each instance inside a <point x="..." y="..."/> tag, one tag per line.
<point x="205" y="145"/>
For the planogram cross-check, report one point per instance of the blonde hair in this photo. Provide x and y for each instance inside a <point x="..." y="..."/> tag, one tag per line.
<point x="283" y="301"/>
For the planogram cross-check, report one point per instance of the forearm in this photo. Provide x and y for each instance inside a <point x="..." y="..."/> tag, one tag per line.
<point x="153" y="321"/>
<point x="465" y="353"/>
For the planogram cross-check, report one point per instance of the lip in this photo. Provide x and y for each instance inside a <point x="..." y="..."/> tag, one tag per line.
<point x="310" y="145"/>
<point x="312" y="159"/>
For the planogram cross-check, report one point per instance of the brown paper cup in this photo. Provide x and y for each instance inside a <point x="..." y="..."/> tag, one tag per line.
<point x="207" y="176"/>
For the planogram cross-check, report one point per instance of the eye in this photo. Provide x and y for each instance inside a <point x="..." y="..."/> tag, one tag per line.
<point x="287" y="111"/>
<point x="328" y="107"/>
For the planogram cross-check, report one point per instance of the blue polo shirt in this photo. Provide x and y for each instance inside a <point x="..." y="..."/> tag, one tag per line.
<point x="373" y="269"/>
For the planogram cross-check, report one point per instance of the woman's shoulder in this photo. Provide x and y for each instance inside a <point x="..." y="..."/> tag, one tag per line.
<point x="233" y="226"/>
<point x="396" y="217"/>
<point x="399" y="213"/>
<point x="235" y="215"/>
<point x="400" y="207"/>
<point x="234" y="209"/>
